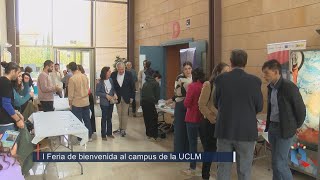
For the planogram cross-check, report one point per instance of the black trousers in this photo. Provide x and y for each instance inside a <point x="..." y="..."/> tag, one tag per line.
<point x="150" y="117"/>
<point x="209" y="143"/>
<point x="134" y="105"/>
<point x="47" y="106"/>
<point x="93" y="116"/>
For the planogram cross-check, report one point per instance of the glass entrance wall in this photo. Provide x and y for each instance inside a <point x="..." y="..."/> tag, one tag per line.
<point x="71" y="23"/>
<point x="50" y="29"/>
<point x="35" y="22"/>
<point x="83" y="57"/>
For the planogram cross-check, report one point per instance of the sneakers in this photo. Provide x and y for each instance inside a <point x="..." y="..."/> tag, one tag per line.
<point x="189" y="172"/>
<point x="118" y="131"/>
<point x="90" y="139"/>
<point x="123" y="133"/>
<point x="104" y="139"/>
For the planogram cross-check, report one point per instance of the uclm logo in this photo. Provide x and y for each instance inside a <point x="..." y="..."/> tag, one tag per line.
<point x="190" y="156"/>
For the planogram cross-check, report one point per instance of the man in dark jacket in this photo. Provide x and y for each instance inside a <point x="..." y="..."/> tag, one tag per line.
<point x="238" y="99"/>
<point x="150" y="95"/>
<point x="286" y="113"/>
<point x="124" y="87"/>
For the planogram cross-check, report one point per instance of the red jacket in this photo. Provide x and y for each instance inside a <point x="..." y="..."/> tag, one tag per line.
<point x="193" y="114"/>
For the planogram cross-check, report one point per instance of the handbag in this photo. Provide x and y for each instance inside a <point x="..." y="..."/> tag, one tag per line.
<point x="113" y="101"/>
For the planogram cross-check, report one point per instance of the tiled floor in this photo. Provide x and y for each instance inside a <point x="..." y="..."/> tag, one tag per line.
<point x="136" y="141"/>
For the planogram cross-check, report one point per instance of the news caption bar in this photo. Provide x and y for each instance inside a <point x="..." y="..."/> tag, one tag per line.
<point x="133" y="157"/>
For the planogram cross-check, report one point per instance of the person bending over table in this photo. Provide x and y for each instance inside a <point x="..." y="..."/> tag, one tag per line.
<point x="150" y="95"/>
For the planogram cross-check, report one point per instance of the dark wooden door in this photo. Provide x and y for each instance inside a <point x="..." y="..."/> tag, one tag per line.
<point x="173" y="66"/>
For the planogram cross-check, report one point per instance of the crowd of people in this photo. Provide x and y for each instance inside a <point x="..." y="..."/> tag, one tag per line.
<point x="221" y="110"/>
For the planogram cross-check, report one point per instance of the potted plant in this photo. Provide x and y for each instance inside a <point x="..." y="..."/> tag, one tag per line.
<point x="118" y="59"/>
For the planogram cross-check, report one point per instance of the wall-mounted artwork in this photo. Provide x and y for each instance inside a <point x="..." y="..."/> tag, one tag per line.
<point x="280" y="51"/>
<point x="304" y="68"/>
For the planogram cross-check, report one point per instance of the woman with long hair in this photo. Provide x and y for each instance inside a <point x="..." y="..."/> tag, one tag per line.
<point x="206" y="107"/>
<point x="22" y="92"/>
<point x="8" y="116"/>
<point x="105" y="90"/>
<point x="180" y="90"/>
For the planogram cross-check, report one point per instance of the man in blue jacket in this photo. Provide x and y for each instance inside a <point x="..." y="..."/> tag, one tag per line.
<point x="124" y="87"/>
<point x="238" y="98"/>
<point x="286" y="113"/>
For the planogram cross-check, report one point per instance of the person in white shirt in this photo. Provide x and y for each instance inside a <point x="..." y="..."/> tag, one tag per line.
<point x="56" y="77"/>
<point x="124" y="88"/>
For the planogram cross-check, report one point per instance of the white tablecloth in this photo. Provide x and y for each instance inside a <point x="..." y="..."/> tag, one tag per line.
<point x="160" y="109"/>
<point x="58" y="123"/>
<point x="166" y="109"/>
<point x="61" y="104"/>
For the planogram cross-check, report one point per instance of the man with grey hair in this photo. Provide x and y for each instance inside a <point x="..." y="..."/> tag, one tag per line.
<point x="124" y="87"/>
<point x="238" y="99"/>
<point x="135" y="78"/>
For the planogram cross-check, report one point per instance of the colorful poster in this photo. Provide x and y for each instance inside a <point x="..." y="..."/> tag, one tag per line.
<point x="280" y="51"/>
<point x="305" y="73"/>
<point x="304" y="68"/>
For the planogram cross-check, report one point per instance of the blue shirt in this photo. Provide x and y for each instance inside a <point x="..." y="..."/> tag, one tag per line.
<point x="274" y="116"/>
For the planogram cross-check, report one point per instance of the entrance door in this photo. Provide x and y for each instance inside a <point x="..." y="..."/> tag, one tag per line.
<point x="85" y="57"/>
<point x="173" y="66"/>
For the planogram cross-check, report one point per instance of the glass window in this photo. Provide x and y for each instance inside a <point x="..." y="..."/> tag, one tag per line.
<point x="34" y="57"/>
<point x="35" y="25"/>
<point x="111" y="24"/>
<point x="67" y="56"/>
<point x="72" y="23"/>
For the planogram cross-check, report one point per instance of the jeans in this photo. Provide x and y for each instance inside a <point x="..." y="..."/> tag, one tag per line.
<point x="8" y="127"/>
<point x="106" y="124"/>
<point x="47" y="106"/>
<point x="180" y="142"/>
<point x="83" y="114"/>
<point x="150" y="117"/>
<point x="244" y="157"/>
<point x="279" y="150"/>
<point x="192" y="131"/>
<point x="209" y="144"/>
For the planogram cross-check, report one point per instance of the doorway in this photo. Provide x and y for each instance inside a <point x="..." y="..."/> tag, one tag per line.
<point x="85" y="57"/>
<point x="173" y="66"/>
